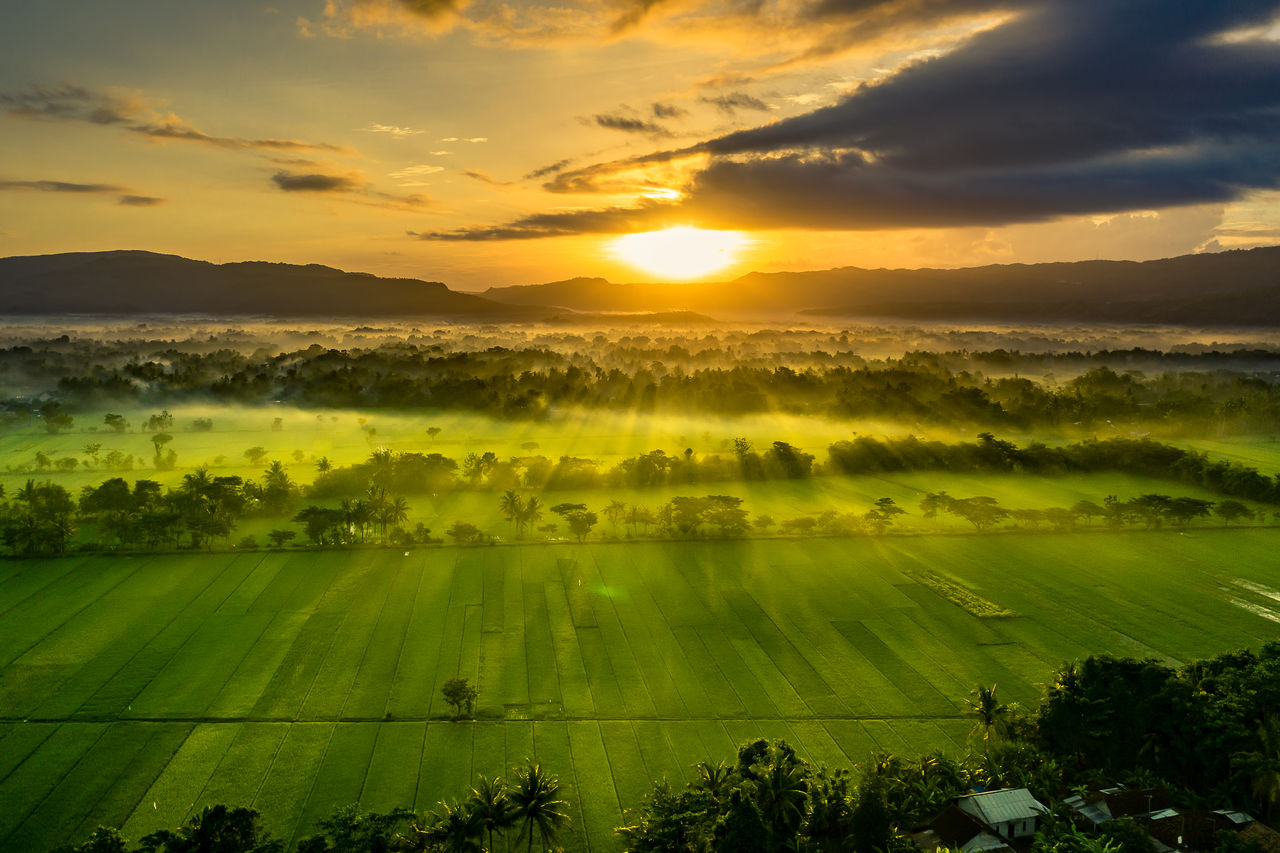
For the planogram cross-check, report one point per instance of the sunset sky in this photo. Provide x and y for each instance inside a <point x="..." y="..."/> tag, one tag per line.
<point x="490" y="143"/>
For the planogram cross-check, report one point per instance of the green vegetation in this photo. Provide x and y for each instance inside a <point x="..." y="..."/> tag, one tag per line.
<point x="293" y="683"/>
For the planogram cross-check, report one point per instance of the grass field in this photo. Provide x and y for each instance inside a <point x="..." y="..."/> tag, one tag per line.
<point x="136" y="690"/>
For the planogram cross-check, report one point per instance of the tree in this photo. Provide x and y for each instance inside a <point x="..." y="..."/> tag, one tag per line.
<point x="1230" y="511"/>
<point x="116" y="423"/>
<point x="56" y="419"/>
<point x="511" y="505"/>
<point x="281" y="538"/>
<point x="981" y="511"/>
<point x="580" y="523"/>
<point x="255" y="455"/>
<point x="532" y="512"/>
<point x="614" y="511"/>
<point x="323" y="465"/>
<point x="464" y="533"/>
<point x="536" y="807"/>
<point x="433" y="432"/>
<point x="163" y="460"/>
<point x="217" y="829"/>
<point x="989" y="714"/>
<point x="460" y="695"/>
<point x="455" y="828"/>
<point x="883" y="514"/>
<point x="491" y="803"/>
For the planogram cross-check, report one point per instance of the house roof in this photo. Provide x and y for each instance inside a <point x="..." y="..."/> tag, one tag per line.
<point x="996" y="807"/>
<point x="957" y="830"/>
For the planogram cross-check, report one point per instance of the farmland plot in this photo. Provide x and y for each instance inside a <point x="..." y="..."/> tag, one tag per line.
<point x="134" y="691"/>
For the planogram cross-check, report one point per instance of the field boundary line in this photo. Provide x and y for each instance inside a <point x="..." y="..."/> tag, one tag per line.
<point x="53" y="787"/>
<point x="195" y="624"/>
<point x="15" y="658"/>
<point x="364" y="652"/>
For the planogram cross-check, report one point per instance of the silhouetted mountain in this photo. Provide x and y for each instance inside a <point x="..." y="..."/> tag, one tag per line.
<point x="1229" y="288"/>
<point x="147" y="283"/>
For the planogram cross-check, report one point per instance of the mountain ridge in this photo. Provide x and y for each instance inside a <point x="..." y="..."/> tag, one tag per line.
<point x="134" y="281"/>
<point x="1239" y="287"/>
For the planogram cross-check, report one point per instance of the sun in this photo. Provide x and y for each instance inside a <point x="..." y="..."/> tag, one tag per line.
<point x="681" y="252"/>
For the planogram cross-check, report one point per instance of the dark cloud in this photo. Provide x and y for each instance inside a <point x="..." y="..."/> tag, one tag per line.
<point x="1066" y="108"/>
<point x="661" y="110"/>
<point x="430" y="8"/>
<point x="549" y="169"/>
<point x="628" y="124"/>
<point x="60" y="187"/>
<point x="136" y="114"/>
<point x="616" y="220"/>
<point x="142" y="200"/>
<point x="314" y="182"/>
<point x="735" y="101"/>
<point x="485" y="178"/>
<point x="126" y="197"/>
<point x="635" y="14"/>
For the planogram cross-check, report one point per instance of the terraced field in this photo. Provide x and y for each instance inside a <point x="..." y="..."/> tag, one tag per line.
<point x="135" y="690"/>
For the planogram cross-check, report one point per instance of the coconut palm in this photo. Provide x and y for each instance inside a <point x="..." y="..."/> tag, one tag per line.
<point x="714" y="779"/>
<point x="511" y="506"/>
<point x="990" y="714"/>
<point x="458" y="829"/>
<point x="531" y="513"/>
<point x="536" y="807"/>
<point x="491" y="802"/>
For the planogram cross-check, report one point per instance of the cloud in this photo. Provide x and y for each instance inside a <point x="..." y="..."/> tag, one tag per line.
<point x="412" y="176"/>
<point x="314" y="182"/>
<point x="486" y="178"/>
<point x="141" y="201"/>
<point x="465" y="139"/>
<point x="393" y="130"/>
<point x="661" y="110"/>
<point x="60" y="187"/>
<point x="616" y="220"/>
<point x="350" y="187"/>
<point x="628" y="124"/>
<point x="126" y="198"/>
<point x="735" y="101"/>
<point x="549" y="169"/>
<point x="137" y="114"/>
<point x="1067" y="108"/>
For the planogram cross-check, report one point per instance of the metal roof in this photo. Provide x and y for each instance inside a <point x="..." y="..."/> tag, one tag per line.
<point x="995" y="807"/>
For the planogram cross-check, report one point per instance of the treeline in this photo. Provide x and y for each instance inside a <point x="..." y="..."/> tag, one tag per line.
<point x="1203" y="734"/>
<point x="1236" y="391"/>
<point x="41" y="518"/>
<point x="433" y="473"/>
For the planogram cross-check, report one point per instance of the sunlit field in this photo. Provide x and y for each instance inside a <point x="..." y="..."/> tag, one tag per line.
<point x="145" y="677"/>
<point x="135" y="691"/>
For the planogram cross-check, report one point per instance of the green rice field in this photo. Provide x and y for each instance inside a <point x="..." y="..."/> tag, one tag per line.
<point x="136" y="690"/>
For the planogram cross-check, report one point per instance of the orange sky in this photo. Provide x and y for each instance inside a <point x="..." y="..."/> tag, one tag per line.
<point x="489" y="143"/>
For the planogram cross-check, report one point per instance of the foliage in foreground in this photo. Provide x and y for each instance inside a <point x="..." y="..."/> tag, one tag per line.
<point x="1207" y="731"/>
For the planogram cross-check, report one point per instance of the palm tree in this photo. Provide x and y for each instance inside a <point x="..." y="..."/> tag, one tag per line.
<point x="491" y="803"/>
<point x="536" y="806"/>
<point x="713" y="779"/>
<point x="614" y="511"/>
<point x="457" y="830"/>
<point x="782" y="792"/>
<point x="988" y="711"/>
<point x="531" y="513"/>
<point x="512" y="505"/>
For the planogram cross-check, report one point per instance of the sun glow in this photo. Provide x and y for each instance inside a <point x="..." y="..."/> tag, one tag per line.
<point x="681" y="252"/>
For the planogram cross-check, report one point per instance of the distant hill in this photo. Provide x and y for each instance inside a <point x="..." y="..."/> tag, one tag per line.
<point x="1228" y="288"/>
<point x="130" y="282"/>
